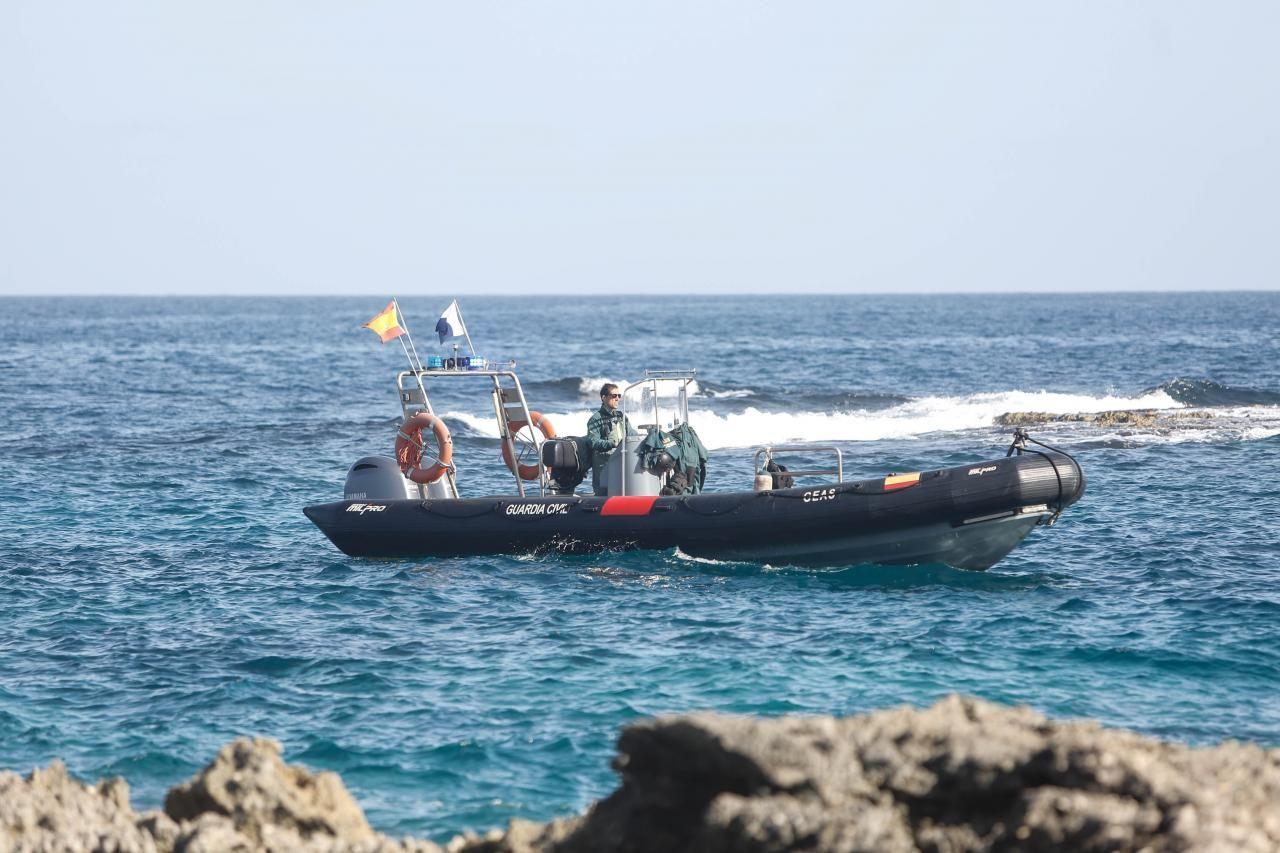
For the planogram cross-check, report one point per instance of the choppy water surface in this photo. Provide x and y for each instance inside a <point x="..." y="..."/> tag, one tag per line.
<point x="161" y="591"/>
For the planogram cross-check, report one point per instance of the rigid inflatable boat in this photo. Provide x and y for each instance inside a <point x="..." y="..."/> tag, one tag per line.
<point x="968" y="517"/>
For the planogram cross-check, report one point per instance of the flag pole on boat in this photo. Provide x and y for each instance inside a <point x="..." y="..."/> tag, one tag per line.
<point x="451" y="325"/>
<point x="401" y="338"/>
<point x="390" y="323"/>
<point x="417" y="375"/>
<point x="464" y="330"/>
<point x="416" y="357"/>
<point x="406" y="355"/>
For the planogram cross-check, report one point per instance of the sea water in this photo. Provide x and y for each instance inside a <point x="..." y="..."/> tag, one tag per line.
<point x="161" y="591"/>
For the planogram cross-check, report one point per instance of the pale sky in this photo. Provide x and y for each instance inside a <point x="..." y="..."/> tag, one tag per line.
<point x="327" y="147"/>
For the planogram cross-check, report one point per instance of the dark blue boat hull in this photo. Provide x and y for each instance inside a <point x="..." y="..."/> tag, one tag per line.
<point x="968" y="517"/>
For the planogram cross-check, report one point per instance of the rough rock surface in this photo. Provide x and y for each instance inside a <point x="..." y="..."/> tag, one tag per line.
<point x="247" y="799"/>
<point x="250" y="786"/>
<point x="48" y="810"/>
<point x="1138" y="418"/>
<point x="962" y="775"/>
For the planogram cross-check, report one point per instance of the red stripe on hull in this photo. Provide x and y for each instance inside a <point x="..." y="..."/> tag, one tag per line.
<point x="628" y="505"/>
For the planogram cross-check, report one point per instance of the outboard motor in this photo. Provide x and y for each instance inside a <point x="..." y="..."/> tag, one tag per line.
<point x="375" y="478"/>
<point x="567" y="461"/>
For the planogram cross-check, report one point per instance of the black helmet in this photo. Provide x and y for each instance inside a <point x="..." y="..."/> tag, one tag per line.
<point x="663" y="462"/>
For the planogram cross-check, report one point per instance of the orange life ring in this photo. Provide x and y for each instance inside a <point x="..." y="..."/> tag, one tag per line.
<point x="409" y="448"/>
<point x="527" y="472"/>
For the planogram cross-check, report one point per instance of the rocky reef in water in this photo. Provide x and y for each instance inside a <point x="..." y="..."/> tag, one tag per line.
<point x="962" y="775"/>
<point x="1136" y="418"/>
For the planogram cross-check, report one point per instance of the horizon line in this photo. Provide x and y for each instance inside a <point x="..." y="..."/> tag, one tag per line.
<point x="662" y="294"/>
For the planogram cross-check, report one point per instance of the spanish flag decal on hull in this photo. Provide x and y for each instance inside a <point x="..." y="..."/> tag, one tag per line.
<point x="900" y="481"/>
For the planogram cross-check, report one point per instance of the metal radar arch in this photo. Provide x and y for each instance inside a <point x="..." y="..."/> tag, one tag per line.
<point x="521" y="442"/>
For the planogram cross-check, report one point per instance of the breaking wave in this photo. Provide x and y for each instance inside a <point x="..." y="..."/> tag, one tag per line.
<point x="906" y="420"/>
<point x="1206" y="392"/>
<point x="1181" y="390"/>
<point x="586" y="388"/>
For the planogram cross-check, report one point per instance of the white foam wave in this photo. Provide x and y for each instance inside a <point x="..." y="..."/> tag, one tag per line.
<point x="708" y="561"/>
<point x="905" y="421"/>
<point x="1222" y="430"/>
<point x="589" y="387"/>
<point x="1260" y="433"/>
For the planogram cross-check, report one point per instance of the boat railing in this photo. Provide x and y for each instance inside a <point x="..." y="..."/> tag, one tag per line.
<point x="680" y="379"/>
<point x="764" y="455"/>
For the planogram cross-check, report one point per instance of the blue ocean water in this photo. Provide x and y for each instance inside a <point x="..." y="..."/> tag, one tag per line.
<point x="161" y="591"/>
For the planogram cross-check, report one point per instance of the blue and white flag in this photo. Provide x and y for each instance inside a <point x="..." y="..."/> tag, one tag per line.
<point x="449" y="327"/>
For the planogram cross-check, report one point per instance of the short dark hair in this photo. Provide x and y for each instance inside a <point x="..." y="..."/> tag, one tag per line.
<point x="606" y="388"/>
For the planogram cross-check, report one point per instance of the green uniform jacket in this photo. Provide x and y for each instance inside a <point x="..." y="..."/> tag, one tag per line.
<point x="687" y="451"/>
<point x="599" y="428"/>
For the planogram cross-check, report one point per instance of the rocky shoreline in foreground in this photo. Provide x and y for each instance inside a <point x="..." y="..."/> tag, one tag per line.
<point x="962" y="775"/>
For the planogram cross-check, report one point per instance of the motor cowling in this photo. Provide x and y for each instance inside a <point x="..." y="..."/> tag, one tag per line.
<point x="375" y="478"/>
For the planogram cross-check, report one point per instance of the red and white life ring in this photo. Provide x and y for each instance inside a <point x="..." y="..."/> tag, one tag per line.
<point x="409" y="448"/>
<point x="527" y="472"/>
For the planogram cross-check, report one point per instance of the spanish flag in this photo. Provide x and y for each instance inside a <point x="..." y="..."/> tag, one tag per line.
<point x="386" y="324"/>
<point x="901" y="481"/>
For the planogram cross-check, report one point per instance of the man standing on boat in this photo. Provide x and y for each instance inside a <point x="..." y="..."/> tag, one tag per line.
<point x="604" y="433"/>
